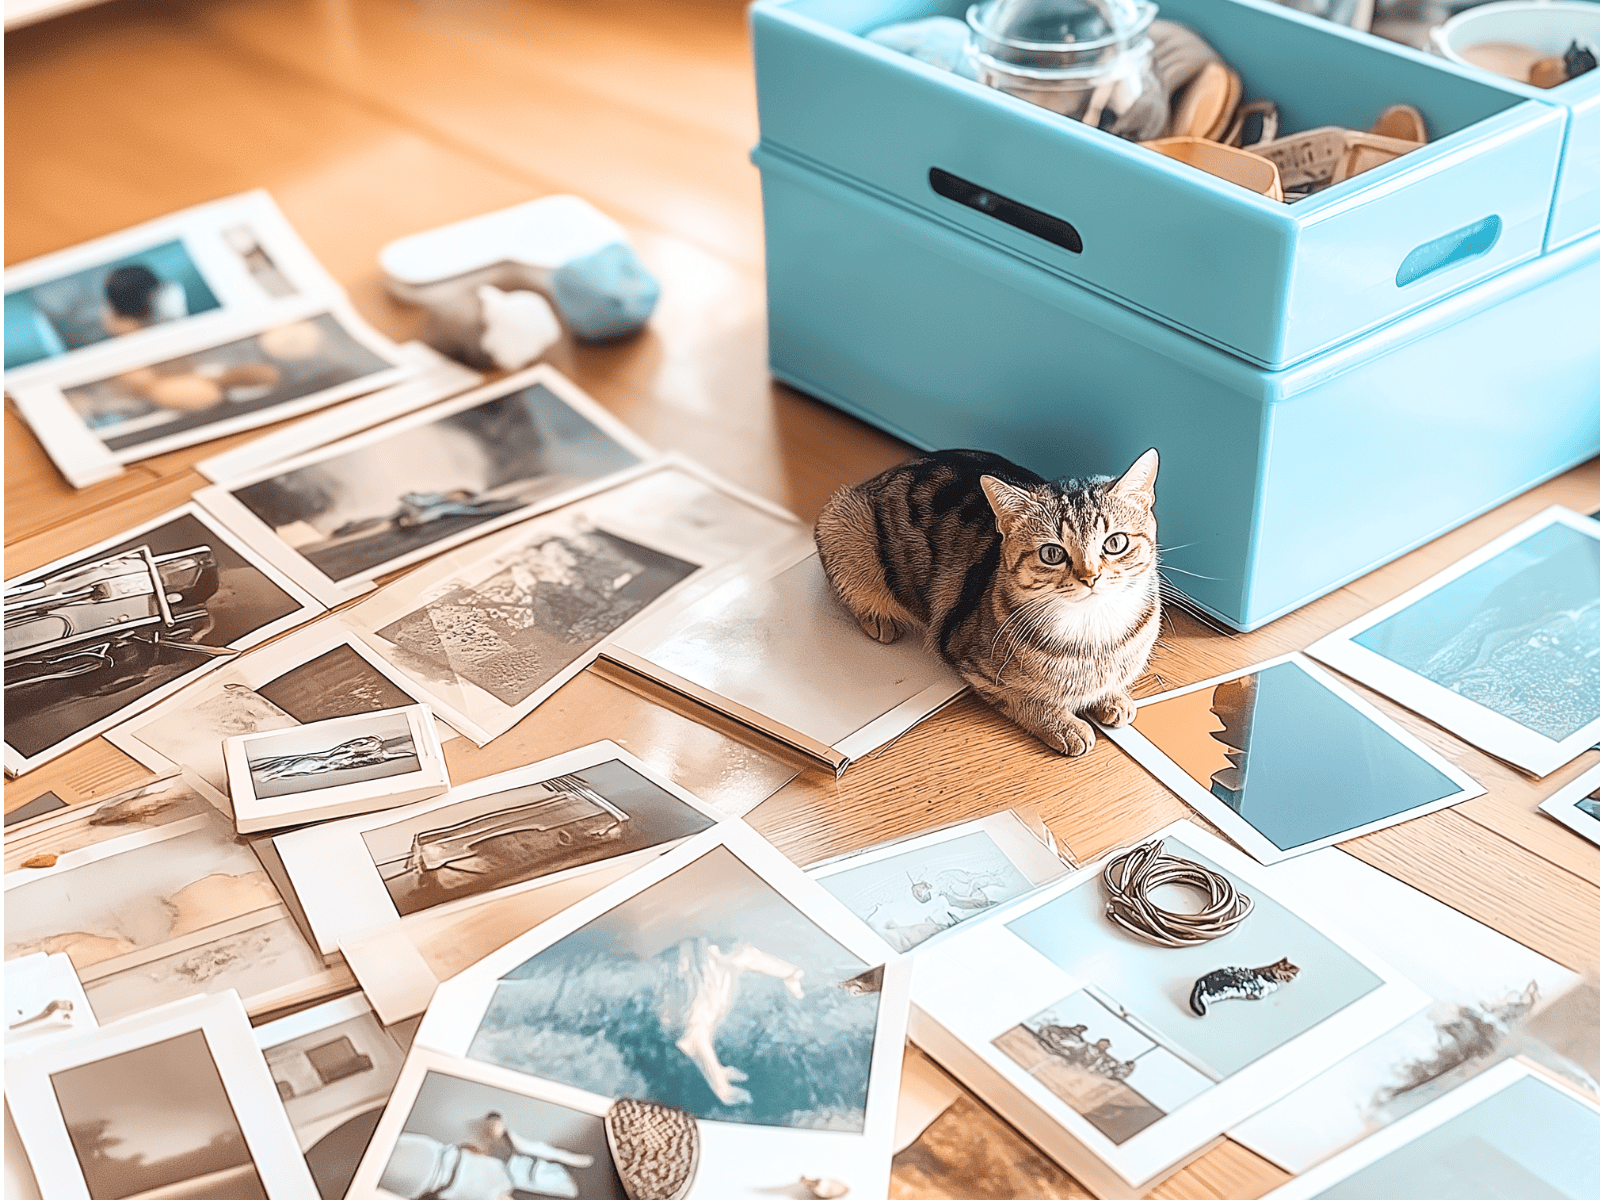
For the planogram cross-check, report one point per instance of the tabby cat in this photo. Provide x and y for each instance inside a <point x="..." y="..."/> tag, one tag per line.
<point x="1042" y="595"/>
<point x="1240" y="983"/>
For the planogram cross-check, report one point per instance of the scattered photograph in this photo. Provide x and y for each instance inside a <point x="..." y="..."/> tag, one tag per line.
<point x="503" y="1144"/>
<point x="435" y="478"/>
<point x="92" y="638"/>
<point x="969" y="1152"/>
<point x="331" y="754"/>
<point x="1285" y="760"/>
<point x="334" y="1067"/>
<point x="708" y="991"/>
<point x="44" y="802"/>
<point x="1503" y="648"/>
<point x="772" y="646"/>
<point x="155" y="1122"/>
<point x="1577" y="806"/>
<point x="60" y="831"/>
<point x="525" y="832"/>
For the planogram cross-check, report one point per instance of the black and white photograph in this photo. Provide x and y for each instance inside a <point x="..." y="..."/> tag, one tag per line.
<point x="433" y="479"/>
<point x="95" y="636"/>
<point x="334" y="1066"/>
<point x="330" y="754"/>
<point x="493" y="1142"/>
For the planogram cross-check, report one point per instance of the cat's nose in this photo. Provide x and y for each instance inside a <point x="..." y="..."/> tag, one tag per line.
<point x="1088" y="580"/>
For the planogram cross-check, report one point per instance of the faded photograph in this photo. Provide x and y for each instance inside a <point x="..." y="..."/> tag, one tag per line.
<point x="1091" y="1053"/>
<point x="156" y="1123"/>
<point x="907" y="898"/>
<point x="525" y="833"/>
<point x="707" y="991"/>
<point x="1519" y="634"/>
<point x="334" y="1083"/>
<point x="92" y="635"/>
<point x="248" y="375"/>
<point x="485" y="1143"/>
<point x="339" y="683"/>
<point x="148" y="806"/>
<point x="330" y="754"/>
<point x="552" y="601"/>
<point x="1290" y="756"/>
<point x="123" y="296"/>
<point x="968" y="1153"/>
<point x="369" y="506"/>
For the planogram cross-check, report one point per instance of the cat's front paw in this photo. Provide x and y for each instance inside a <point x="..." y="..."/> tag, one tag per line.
<point x="1113" y="712"/>
<point x="884" y="629"/>
<point x="1072" y="737"/>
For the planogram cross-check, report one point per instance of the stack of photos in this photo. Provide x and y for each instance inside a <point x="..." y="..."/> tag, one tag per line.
<point x="1122" y="1059"/>
<point x="719" y="980"/>
<point x="1577" y="806"/>
<point x="1511" y="1132"/>
<point x="191" y="269"/>
<point x="191" y="386"/>
<point x="913" y="889"/>
<point x="314" y="674"/>
<point x="334" y="1067"/>
<point x="772" y="646"/>
<point x="43" y="998"/>
<point x="336" y="768"/>
<point x="573" y="813"/>
<point x="164" y="801"/>
<point x="1284" y="759"/>
<point x="1485" y="990"/>
<point x="1502" y="649"/>
<point x="177" y="1103"/>
<point x="160" y="913"/>
<point x="341" y="515"/>
<point x="490" y="630"/>
<point x="97" y="636"/>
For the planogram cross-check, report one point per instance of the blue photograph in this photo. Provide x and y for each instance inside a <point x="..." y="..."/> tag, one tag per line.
<point x="707" y="991"/>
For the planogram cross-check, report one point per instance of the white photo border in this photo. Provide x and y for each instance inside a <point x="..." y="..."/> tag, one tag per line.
<point x="1562" y="805"/>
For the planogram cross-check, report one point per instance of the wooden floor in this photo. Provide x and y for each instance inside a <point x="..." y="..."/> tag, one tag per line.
<point x="368" y="119"/>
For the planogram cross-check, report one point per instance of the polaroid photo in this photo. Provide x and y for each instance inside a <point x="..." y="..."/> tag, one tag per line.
<point x="338" y="768"/>
<point x="1577" y="806"/>
<point x="1513" y="1131"/>
<point x="505" y="1133"/>
<point x="188" y="270"/>
<point x="99" y="635"/>
<point x="1122" y="1059"/>
<point x="717" y="979"/>
<point x="164" y="801"/>
<point x="335" y="1067"/>
<point x="343" y="514"/>
<point x="769" y="644"/>
<point x="1284" y="759"/>
<point x="1485" y="990"/>
<point x="249" y="370"/>
<point x="43" y="998"/>
<point x="162" y="913"/>
<point x="490" y="630"/>
<point x="178" y="1104"/>
<point x="568" y="815"/>
<point x="1502" y="649"/>
<point x="911" y="890"/>
<point x="434" y="378"/>
<point x="316" y="673"/>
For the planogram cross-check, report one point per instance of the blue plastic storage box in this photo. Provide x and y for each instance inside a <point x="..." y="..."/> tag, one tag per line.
<point x="1275" y="486"/>
<point x="1272" y="283"/>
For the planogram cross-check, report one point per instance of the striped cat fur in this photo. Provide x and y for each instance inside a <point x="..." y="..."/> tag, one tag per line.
<point x="1042" y="595"/>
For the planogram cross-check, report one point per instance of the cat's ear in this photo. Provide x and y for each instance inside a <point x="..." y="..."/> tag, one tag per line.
<point x="1138" y="482"/>
<point x="1010" y="504"/>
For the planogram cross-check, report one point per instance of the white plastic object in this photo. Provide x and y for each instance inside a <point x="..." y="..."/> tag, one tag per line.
<point x="1548" y="26"/>
<point x="543" y="233"/>
<point x="518" y="326"/>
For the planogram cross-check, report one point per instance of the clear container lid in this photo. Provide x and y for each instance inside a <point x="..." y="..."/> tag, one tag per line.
<point x="1030" y="31"/>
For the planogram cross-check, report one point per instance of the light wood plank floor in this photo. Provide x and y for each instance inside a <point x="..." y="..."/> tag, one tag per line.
<point x="369" y="119"/>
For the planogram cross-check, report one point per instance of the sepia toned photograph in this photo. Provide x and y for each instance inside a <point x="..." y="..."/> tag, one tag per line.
<point x="709" y="991"/>
<point x="366" y="506"/>
<point x="61" y="830"/>
<point x="155" y="1123"/>
<point x="90" y="636"/>
<point x="502" y="1144"/>
<point x="330" y="754"/>
<point x="338" y="683"/>
<point x="968" y="1152"/>
<point x="524" y="833"/>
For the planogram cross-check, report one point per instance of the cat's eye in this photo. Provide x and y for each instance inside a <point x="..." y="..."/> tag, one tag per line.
<point x="1053" y="554"/>
<point x="1116" y="543"/>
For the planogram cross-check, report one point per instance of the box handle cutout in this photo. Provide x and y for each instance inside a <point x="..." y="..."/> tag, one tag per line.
<point x="1029" y="220"/>
<point x="1465" y="243"/>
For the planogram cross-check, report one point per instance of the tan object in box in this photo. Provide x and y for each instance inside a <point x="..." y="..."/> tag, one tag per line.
<point x="1208" y="103"/>
<point x="1401" y="121"/>
<point x="1321" y="157"/>
<point x="1511" y="59"/>
<point x="1550" y="71"/>
<point x="1243" y="167"/>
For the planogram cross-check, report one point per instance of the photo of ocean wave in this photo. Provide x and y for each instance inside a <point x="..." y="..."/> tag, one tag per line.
<point x="707" y="991"/>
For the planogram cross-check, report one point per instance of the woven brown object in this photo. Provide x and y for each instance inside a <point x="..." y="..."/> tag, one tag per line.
<point x="1131" y="876"/>
<point x="656" y="1149"/>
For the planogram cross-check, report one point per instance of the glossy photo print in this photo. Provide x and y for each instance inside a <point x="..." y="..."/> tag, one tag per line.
<point x="1502" y="649"/>
<point x="93" y="638"/>
<point x="1285" y="760"/>
<point x="1577" y="806"/>
<point x="330" y="754"/>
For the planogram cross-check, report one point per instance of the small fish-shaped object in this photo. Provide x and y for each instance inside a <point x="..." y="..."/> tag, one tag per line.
<point x="39" y="862"/>
<point x="1240" y="983"/>
<point x="655" y="1148"/>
